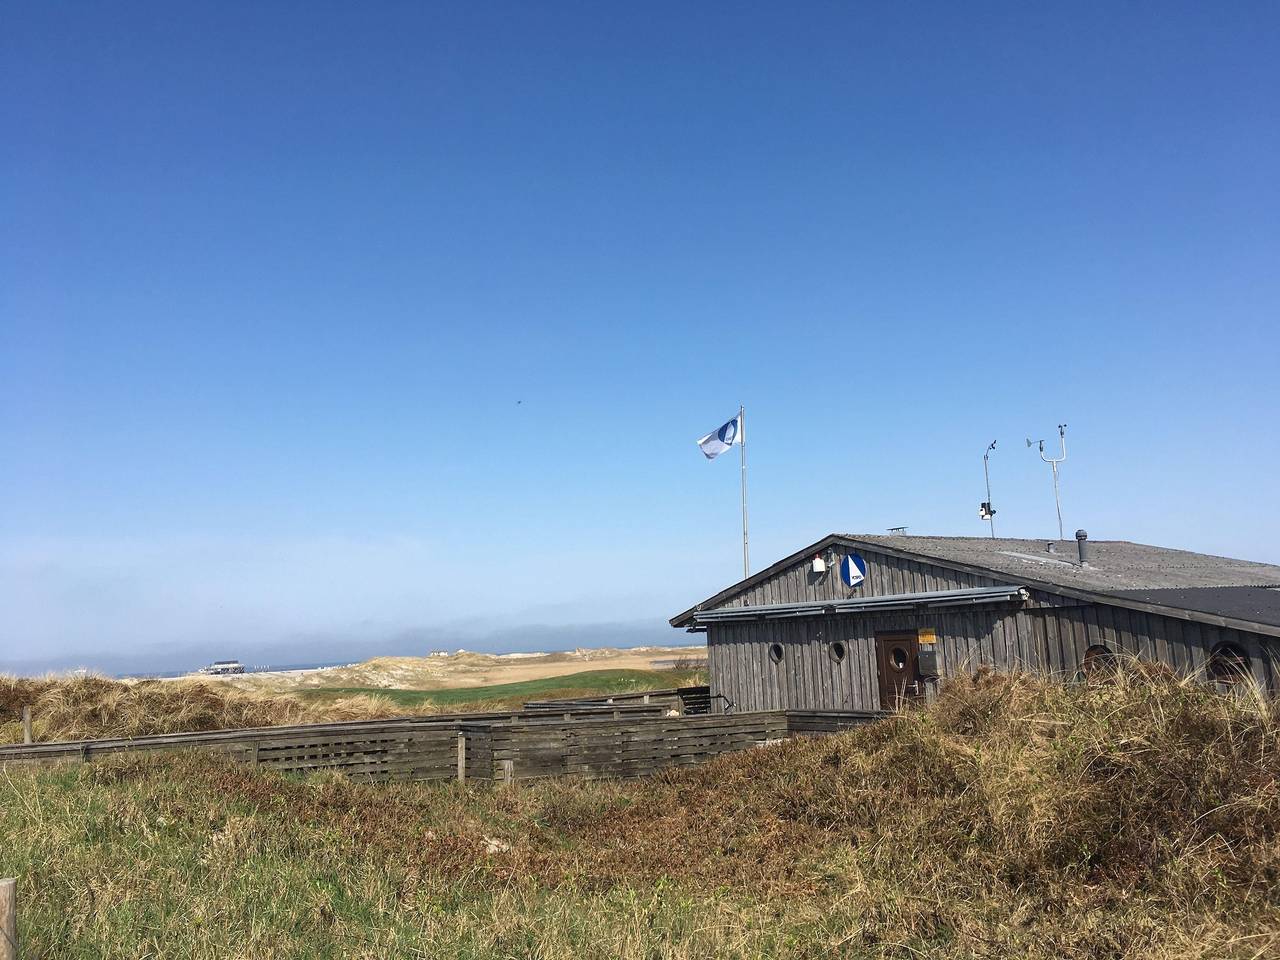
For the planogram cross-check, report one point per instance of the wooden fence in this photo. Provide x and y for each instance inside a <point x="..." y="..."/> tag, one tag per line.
<point x="802" y="723"/>
<point x="686" y="700"/>
<point x="618" y="741"/>
<point x="625" y="748"/>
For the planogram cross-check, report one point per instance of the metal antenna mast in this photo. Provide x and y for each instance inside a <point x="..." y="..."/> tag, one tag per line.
<point x="986" y="511"/>
<point x="1053" y="462"/>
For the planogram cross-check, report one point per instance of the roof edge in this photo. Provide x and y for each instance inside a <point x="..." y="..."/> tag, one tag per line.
<point x="1094" y="596"/>
<point x="683" y="619"/>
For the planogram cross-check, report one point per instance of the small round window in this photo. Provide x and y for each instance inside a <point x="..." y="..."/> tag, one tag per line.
<point x="775" y="652"/>
<point x="899" y="658"/>
<point x="837" y="651"/>
<point x="1099" y="661"/>
<point x="1228" y="664"/>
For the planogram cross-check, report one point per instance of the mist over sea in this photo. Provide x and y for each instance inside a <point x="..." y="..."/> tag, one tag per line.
<point x="326" y="650"/>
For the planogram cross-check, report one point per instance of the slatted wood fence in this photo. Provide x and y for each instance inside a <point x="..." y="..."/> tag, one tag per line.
<point x="686" y="700"/>
<point x="812" y="723"/>
<point x="618" y="741"/>
<point x="626" y="748"/>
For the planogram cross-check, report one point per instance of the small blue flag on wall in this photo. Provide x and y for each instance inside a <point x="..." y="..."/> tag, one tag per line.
<point x="853" y="570"/>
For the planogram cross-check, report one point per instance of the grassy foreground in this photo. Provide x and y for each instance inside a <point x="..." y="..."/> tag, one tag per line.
<point x="586" y="683"/>
<point x="93" y="707"/>
<point x="1139" y="819"/>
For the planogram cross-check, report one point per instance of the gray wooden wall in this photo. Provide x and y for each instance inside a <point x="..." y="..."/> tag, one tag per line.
<point x="1049" y="640"/>
<point x="1047" y="634"/>
<point x="886" y="576"/>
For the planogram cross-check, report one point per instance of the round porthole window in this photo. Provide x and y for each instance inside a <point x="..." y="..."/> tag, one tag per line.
<point x="1099" y="661"/>
<point x="837" y="651"/>
<point x="775" y="652"/>
<point x="900" y="658"/>
<point x="1228" y="664"/>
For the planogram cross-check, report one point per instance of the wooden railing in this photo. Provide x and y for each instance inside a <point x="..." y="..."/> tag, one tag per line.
<point x="816" y="722"/>
<point x="687" y="700"/>
<point x="633" y="747"/>
<point x="617" y="741"/>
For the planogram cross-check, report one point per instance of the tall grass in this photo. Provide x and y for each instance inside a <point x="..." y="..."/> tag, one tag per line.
<point x="1012" y="818"/>
<point x="93" y="707"/>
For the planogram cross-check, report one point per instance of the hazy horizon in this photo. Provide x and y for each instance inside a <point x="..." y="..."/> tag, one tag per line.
<point x="312" y="650"/>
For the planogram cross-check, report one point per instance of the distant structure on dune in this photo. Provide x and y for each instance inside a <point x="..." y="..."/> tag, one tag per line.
<point x="221" y="668"/>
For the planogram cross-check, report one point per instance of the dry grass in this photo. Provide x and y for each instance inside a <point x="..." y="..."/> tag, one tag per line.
<point x="1012" y="819"/>
<point x="93" y="707"/>
<point x="457" y="670"/>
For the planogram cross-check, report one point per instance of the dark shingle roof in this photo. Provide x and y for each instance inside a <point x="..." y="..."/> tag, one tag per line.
<point x="1114" y="565"/>
<point x="1118" y="571"/>
<point x="1255" y="604"/>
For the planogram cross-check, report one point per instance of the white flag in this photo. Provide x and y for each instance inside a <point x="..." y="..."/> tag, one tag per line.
<point x="718" y="441"/>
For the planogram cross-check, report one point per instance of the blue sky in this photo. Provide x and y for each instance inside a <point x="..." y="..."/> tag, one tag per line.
<point x="328" y="324"/>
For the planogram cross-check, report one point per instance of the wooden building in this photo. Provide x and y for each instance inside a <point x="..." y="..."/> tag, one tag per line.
<point x="857" y="622"/>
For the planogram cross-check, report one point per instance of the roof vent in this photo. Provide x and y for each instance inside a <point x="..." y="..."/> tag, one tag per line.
<point x="1082" y="545"/>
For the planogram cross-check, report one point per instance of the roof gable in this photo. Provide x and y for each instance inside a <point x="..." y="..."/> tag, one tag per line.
<point x="888" y="572"/>
<point x="1115" y="568"/>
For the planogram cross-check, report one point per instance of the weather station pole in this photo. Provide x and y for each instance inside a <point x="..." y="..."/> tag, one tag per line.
<point x="742" y="452"/>
<point x="987" y="512"/>
<point x="1053" y="462"/>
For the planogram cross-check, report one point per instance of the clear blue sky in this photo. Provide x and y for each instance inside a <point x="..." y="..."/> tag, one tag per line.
<point x="327" y="321"/>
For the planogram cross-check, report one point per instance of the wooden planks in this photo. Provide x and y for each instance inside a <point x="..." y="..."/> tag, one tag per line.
<point x="9" y="919"/>
<point x="301" y="735"/>
<point x="635" y="747"/>
<point x="690" y="700"/>
<point x="817" y="722"/>
<point x="484" y="748"/>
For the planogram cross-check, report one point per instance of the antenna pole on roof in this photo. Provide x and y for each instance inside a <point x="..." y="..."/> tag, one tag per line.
<point x="986" y="512"/>
<point x="1053" y="462"/>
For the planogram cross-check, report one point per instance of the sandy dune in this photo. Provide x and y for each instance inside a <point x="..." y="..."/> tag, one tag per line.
<point x="463" y="669"/>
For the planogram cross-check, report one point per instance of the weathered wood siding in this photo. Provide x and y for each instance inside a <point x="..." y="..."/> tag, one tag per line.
<point x="1048" y="634"/>
<point x="886" y="576"/>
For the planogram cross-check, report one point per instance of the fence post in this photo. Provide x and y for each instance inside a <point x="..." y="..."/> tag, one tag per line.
<point x="26" y="724"/>
<point x="462" y="757"/>
<point x="8" y="919"/>
<point x="507" y="771"/>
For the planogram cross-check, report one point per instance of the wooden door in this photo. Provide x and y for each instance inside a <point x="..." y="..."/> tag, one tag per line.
<point x="898" y="662"/>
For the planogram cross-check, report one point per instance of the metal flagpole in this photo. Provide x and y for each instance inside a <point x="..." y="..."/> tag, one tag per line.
<point x="742" y="450"/>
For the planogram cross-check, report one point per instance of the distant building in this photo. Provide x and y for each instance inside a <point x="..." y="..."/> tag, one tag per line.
<point x="857" y="622"/>
<point x="222" y="667"/>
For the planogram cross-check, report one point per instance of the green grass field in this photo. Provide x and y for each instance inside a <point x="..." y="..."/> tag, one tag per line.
<point x="1011" y="820"/>
<point x="585" y="684"/>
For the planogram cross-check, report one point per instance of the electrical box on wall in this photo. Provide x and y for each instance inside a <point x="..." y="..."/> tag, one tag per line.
<point x="928" y="660"/>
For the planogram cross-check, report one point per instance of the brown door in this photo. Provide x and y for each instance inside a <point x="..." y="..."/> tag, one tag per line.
<point x="898" y="660"/>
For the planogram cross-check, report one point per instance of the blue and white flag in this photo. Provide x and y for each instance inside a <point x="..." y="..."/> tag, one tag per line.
<point x="718" y="441"/>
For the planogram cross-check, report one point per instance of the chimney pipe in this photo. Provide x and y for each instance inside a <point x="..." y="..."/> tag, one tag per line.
<point x="1082" y="544"/>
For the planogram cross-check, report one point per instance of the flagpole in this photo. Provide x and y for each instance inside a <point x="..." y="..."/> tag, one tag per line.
<point x="742" y="450"/>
